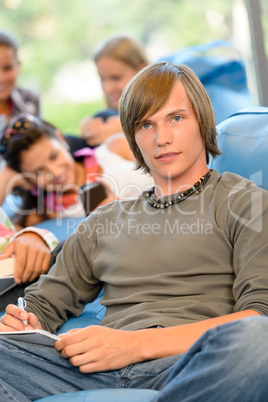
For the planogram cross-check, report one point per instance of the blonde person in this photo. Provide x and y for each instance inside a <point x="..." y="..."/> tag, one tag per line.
<point x="118" y="58"/>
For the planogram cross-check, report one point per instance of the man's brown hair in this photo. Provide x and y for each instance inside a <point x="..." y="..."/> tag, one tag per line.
<point x="148" y="92"/>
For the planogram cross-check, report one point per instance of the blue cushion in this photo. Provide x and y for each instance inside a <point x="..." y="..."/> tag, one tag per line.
<point x="226" y="101"/>
<point x="107" y="395"/>
<point x="61" y="227"/>
<point x="222" y="72"/>
<point x="243" y="140"/>
<point x="92" y="314"/>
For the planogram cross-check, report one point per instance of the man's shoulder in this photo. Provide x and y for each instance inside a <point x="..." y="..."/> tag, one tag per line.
<point x="230" y="187"/>
<point x="233" y="181"/>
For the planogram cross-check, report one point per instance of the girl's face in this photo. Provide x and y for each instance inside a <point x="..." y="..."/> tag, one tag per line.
<point x="9" y="70"/>
<point x="49" y="165"/>
<point x="114" y="77"/>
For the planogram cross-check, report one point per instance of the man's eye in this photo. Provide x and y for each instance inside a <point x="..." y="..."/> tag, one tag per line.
<point x="177" y="118"/>
<point x="146" y="126"/>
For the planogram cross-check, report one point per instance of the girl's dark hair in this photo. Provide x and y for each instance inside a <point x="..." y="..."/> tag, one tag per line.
<point x="22" y="132"/>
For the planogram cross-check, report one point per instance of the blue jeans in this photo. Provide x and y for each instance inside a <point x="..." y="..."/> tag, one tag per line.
<point x="228" y="363"/>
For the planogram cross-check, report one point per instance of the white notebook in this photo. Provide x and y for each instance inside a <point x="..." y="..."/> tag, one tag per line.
<point x="7" y="267"/>
<point x="38" y="336"/>
<point x="7" y="274"/>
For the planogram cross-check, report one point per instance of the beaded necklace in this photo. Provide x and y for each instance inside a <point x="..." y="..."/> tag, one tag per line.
<point x="195" y="189"/>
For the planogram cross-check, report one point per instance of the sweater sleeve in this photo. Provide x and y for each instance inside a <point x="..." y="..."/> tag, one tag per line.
<point x="70" y="283"/>
<point x="248" y="227"/>
<point x="48" y="237"/>
<point x="7" y="230"/>
<point x="8" y="233"/>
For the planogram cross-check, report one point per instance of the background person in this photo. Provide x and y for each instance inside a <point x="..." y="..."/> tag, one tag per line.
<point x="118" y="59"/>
<point x="13" y="100"/>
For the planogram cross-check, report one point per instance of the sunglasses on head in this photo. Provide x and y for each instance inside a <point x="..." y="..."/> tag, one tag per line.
<point x="18" y="125"/>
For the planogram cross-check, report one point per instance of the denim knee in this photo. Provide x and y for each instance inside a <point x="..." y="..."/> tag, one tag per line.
<point x="253" y="340"/>
<point x="228" y="363"/>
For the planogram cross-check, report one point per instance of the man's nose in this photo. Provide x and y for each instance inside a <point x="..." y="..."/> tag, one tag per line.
<point x="163" y="135"/>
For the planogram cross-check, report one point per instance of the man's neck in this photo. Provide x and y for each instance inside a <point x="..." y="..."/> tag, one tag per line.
<point x="177" y="184"/>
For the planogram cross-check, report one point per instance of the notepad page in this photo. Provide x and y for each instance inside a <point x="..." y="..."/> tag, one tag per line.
<point x="37" y="336"/>
<point x="7" y="267"/>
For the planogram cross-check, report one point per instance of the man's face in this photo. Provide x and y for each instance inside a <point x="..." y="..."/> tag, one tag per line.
<point x="171" y="144"/>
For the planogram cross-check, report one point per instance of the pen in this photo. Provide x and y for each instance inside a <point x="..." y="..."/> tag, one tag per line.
<point x="22" y="305"/>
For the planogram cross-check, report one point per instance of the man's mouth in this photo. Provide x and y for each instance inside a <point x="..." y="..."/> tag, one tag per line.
<point x="168" y="156"/>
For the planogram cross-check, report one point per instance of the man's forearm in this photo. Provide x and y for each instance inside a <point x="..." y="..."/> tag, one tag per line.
<point x="163" y="342"/>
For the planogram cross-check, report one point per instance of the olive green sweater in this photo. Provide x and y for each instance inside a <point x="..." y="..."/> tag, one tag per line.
<point x="202" y="258"/>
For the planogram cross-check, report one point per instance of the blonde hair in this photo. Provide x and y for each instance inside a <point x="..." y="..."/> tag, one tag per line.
<point x="122" y="48"/>
<point x="148" y="92"/>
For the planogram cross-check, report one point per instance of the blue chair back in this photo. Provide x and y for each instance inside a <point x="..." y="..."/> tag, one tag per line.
<point x="222" y="73"/>
<point x="243" y="140"/>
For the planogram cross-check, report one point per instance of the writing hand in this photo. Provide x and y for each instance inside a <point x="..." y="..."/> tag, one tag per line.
<point x="13" y="319"/>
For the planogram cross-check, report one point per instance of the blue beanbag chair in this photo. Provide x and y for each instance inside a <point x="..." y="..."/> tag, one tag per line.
<point x="107" y="395"/>
<point x="243" y="140"/>
<point x="61" y="227"/>
<point x="221" y="71"/>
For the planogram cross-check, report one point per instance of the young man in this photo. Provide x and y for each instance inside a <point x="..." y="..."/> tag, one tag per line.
<point x="175" y="263"/>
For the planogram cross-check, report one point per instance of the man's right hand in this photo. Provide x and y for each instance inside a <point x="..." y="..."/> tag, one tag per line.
<point x="13" y="319"/>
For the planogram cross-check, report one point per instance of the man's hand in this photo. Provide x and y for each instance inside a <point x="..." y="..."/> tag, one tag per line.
<point x="97" y="348"/>
<point x="95" y="131"/>
<point x="32" y="256"/>
<point x="12" y="320"/>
